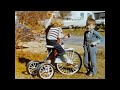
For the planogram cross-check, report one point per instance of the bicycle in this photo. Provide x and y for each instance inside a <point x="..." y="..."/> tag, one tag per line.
<point x="45" y="69"/>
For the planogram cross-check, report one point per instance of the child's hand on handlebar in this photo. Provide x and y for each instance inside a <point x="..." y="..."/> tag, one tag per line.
<point x="69" y="35"/>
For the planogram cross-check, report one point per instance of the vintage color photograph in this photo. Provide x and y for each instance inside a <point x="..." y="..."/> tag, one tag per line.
<point x="59" y="44"/>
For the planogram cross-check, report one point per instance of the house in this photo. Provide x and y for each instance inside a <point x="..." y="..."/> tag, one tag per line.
<point x="77" y="19"/>
<point x="99" y="17"/>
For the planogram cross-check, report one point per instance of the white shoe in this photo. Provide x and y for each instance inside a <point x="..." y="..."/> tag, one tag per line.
<point x="58" y="60"/>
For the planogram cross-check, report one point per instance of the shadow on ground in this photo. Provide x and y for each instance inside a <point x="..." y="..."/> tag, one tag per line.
<point x="24" y="60"/>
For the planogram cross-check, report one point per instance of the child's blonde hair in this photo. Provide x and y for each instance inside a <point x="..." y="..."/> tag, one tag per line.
<point x="57" y="22"/>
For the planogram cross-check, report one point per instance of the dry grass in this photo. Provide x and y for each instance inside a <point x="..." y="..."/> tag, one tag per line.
<point x="80" y="32"/>
<point x="20" y="64"/>
<point x="20" y="68"/>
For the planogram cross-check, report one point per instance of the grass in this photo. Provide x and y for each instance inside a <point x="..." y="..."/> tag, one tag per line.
<point x="20" y="67"/>
<point x="21" y="59"/>
<point x="80" y="32"/>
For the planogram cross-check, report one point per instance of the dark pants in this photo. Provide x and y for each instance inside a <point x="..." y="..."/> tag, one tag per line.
<point x="57" y="46"/>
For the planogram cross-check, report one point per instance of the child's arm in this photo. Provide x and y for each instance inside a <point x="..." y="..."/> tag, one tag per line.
<point x="47" y="22"/>
<point x="67" y="35"/>
<point x="84" y="39"/>
<point x="100" y="38"/>
<point x="61" y="35"/>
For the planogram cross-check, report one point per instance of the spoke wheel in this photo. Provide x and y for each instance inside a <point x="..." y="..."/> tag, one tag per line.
<point x="32" y="67"/>
<point x="46" y="71"/>
<point x="69" y="69"/>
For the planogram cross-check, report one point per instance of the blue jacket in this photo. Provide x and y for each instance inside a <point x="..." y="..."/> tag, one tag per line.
<point x="92" y="36"/>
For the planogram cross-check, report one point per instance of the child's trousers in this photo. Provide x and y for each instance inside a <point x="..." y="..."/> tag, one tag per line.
<point x="90" y="58"/>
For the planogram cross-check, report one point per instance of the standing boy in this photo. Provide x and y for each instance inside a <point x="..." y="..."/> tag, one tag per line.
<point x="91" y="38"/>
